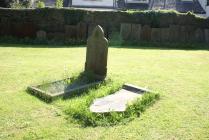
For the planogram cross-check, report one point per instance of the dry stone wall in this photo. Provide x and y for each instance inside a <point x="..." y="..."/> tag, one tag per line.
<point x="67" y="24"/>
<point x="174" y="33"/>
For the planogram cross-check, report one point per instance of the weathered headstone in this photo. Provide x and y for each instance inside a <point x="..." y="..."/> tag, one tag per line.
<point x="125" y="31"/>
<point x="164" y="34"/>
<point x="70" y="31"/>
<point x="190" y="33"/>
<point x="146" y="33"/>
<point x="155" y="34"/>
<point x="26" y="29"/>
<point x="56" y="35"/>
<point x="96" y="54"/>
<point x="174" y="33"/>
<point x="135" y="32"/>
<point x="199" y="35"/>
<point x="183" y="33"/>
<point x="186" y="34"/>
<point x="206" y="35"/>
<point x="82" y="31"/>
<point x="41" y="35"/>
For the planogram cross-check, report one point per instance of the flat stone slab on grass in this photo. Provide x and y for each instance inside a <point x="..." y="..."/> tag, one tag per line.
<point x="118" y="101"/>
<point x="50" y="91"/>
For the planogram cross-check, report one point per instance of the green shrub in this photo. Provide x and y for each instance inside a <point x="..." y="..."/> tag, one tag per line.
<point x="15" y="4"/>
<point x="40" y="4"/>
<point x="59" y="3"/>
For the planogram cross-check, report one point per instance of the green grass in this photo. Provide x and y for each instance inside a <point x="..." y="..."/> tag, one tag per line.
<point x="180" y="76"/>
<point x="78" y="108"/>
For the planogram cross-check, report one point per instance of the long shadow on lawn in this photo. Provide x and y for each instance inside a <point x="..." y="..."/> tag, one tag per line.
<point x="142" y="45"/>
<point x="25" y="45"/>
<point x="84" y="78"/>
<point x="164" y="46"/>
<point x="74" y="86"/>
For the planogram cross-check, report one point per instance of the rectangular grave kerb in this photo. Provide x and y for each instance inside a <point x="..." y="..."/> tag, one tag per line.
<point x="118" y="101"/>
<point x="49" y="96"/>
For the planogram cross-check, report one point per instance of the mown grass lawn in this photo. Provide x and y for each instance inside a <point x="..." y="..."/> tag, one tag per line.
<point x="180" y="76"/>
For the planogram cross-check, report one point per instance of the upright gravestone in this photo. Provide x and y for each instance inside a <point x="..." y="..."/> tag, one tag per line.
<point x="125" y="31"/>
<point x="199" y="35"/>
<point x="70" y="31"/>
<point x="155" y="35"/>
<point x="206" y="35"/>
<point x="81" y="31"/>
<point x="164" y="34"/>
<point x="41" y="35"/>
<point x="183" y="33"/>
<point x="187" y="33"/>
<point x="146" y="33"/>
<point x="96" y="54"/>
<point x="174" y="33"/>
<point x="135" y="32"/>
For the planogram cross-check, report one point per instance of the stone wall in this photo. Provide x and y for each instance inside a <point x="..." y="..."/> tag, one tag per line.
<point x="173" y="33"/>
<point x="50" y="23"/>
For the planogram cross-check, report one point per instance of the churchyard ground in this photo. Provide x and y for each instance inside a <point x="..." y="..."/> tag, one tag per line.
<point x="181" y="76"/>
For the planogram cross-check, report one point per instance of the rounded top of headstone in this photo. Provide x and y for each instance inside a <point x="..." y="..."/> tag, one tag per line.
<point x="98" y="32"/>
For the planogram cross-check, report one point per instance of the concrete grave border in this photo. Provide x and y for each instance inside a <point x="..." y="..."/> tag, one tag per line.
<point x="118" y="101"/>
<point x="47" y="96"/>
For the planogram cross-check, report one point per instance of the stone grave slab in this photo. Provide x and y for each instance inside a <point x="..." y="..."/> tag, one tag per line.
<point x="41" y="35"/>
<point x="146" y="33"/>
<point x="174" y="33"/>
<point x="164" y="34"/>
<point x="186" y="33"/>
<point x="190" y="33"/>
<point x="206" y="35"/>
<point x="199" y="35"/>
<point x="56" y="35"/>
<point x="118" y="101"/>
<point x="70" y="31"/>
<point x="183" y="33"/>
<point x="49" y="91"/>
<point x="155" y="34"/>
<point x="135" y="32"/>
<point x="81" y="31"/>
<point x="125" y="31"/>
